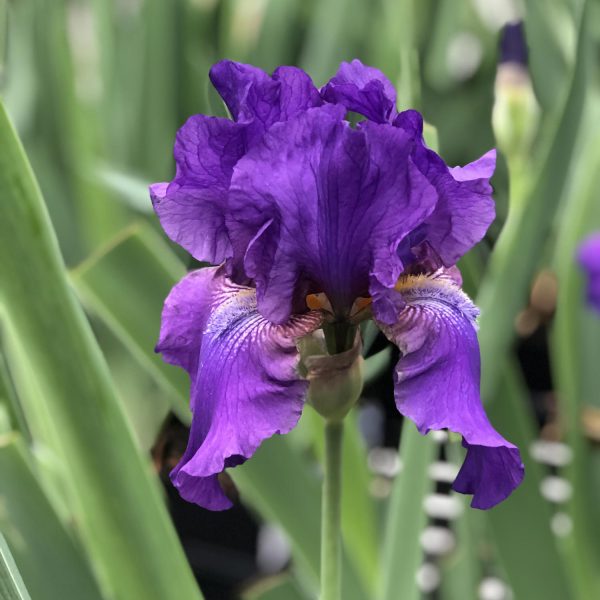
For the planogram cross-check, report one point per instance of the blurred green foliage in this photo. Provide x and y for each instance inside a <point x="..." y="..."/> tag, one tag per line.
<point x="96" y="90"/>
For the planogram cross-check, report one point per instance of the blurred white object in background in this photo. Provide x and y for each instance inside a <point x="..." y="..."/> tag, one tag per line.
<point x="273" y="551"/>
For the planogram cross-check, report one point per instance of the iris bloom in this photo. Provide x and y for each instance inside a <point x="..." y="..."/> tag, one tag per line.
<point x="589" y="259"/>
<point x="313" y="221"/>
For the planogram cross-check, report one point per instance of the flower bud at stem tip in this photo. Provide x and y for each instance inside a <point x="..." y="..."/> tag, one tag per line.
<point x="336" y="380"/>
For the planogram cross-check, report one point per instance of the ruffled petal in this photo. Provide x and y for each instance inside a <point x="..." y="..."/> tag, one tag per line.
<point x="588" y="257"/>
<point x="247" y="91"/>
<point x="192" y="208"/>
<point x="465" y="208"/>
<point x="297" y="92"/>
<point x="437" y="383"/>
<point x="258" y="100"/>
<point x="319" y="206"/>
<point x="362" y="89"/>
<point x="244" y="384"/>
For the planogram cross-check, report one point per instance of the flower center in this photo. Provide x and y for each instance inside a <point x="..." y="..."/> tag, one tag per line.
<point x="320" y="302"/>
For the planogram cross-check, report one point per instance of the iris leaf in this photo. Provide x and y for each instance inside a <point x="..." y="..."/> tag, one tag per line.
<point x="133" y="191"/>
<point x="279" y="29"/>
<point x="575" y="350"/>
<point x="375" y="365"/>
<point x="41" y="545"/>
<point x="332" y="36"/>
<point x="531" y="543"/>
<point x="70" y="403"/>
<point x="526" y="546"/>
<point x="125" y="283"/>
<point x="550" y="30"/>
<point x="11" y="583"/>
<point x="279" y="588"/>
<point x="402" y="553"/>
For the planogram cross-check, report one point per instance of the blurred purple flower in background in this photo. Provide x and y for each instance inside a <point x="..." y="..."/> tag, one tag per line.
<point x="589" y="259"/>
<point x="299" y="209"/>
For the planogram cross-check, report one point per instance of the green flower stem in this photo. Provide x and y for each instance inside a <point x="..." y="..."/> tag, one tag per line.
<point x="331" y="538"/>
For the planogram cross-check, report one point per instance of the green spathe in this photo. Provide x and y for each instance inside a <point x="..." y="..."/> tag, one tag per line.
<point x="336" y="380"/>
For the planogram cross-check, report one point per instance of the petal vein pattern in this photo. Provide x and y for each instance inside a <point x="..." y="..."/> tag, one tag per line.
<point x="319" y="206"/>
<point x="362" y="89"/>
<point x="437" y="383"/>
<point x="244" y="383"/>
<point x="192" y="207"/>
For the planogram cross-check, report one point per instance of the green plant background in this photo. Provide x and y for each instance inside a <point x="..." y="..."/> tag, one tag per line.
<point x="93" y="92"/>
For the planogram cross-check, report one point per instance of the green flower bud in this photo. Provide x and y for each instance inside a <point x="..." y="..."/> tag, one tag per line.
<point x="515" y="116"/>
<point x="336" y="380"/>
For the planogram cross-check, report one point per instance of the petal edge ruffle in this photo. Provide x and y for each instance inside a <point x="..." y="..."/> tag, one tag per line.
<point x="437" y="383"/>
<point x="244" y="384"/>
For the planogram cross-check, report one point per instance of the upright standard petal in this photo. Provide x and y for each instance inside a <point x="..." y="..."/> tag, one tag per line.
<point x="259" y="100"/>
<point x="437" y="383"/>
<point x="589" y="259"/>
<point x="465" y="208"/>
<point x="244" y="384"/>
<point x="192" y="207"/>
<point x="319" y="206"/>
<point x="362" y="89"/>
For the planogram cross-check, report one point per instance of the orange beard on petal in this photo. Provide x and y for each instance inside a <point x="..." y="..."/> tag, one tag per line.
<point x="321" y="302"/>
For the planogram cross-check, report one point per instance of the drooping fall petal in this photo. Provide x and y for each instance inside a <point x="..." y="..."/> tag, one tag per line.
<point x="244" y="384"/>
<point x="437" y="383"/>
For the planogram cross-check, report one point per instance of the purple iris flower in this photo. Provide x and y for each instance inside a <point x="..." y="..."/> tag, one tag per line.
<point x="589" y="258"/>
<point x="299" y="208"/>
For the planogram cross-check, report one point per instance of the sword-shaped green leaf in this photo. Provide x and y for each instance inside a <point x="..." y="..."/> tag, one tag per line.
<point x="70" y="403"/>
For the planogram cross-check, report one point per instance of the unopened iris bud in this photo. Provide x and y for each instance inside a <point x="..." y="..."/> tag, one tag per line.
<point x="515" y="115"/>
<point x="336" y="380"/>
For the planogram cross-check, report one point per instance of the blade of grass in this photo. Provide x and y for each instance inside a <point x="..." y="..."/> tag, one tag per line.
<point x="70" y="403"/>
<point x="133" y="191"/>
<point x="446" y="20"/>
<point x="8" y="400"/>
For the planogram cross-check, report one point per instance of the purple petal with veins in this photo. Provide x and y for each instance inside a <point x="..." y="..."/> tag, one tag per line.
<point x="437" y="383"/>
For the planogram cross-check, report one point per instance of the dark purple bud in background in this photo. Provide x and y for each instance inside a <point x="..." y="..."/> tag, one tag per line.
<point x="513" y="46"/>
